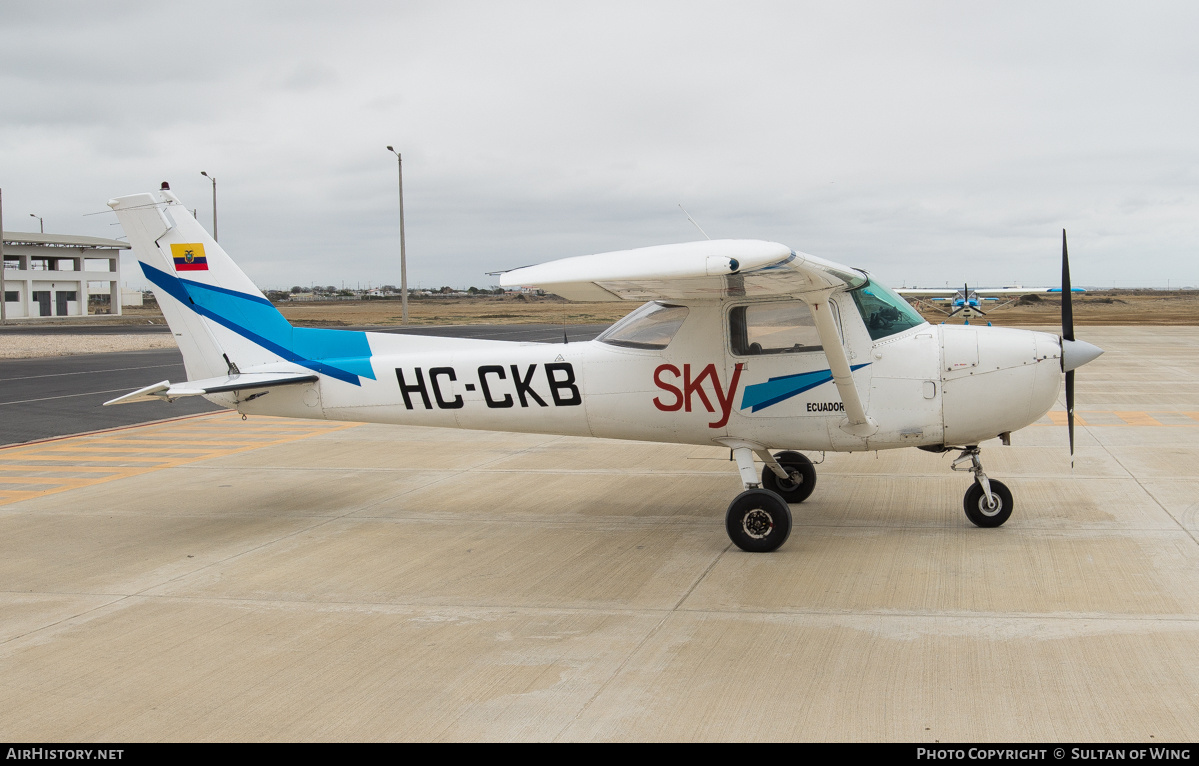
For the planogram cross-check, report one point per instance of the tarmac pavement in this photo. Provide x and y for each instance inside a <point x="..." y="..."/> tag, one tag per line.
<point x="278" y="580"/>
<point x="46" y="397"/>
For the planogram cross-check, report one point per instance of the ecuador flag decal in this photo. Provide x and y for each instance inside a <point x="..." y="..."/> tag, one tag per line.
<point x="189" y="257"/>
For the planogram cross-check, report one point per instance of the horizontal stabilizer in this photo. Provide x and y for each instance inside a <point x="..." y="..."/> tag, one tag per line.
<point x="245" y="381"/>
<point x="154" y="393"/>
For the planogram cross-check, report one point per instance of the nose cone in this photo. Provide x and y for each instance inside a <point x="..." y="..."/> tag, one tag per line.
<point x="1076" y="353"/>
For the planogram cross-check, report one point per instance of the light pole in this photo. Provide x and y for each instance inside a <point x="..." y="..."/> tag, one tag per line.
<point x="41" y="222"/>
<point x="403" y="258"/>
<point x="3" y="296"/>
<point x="213" y="179"/>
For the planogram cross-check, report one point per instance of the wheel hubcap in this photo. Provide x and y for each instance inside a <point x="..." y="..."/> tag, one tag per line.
<point x="990" y="510"/>
<point x="757" y="523"/>
<point x="793" y="480"/>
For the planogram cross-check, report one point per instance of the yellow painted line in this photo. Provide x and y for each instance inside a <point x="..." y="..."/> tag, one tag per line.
<point x="1135" y="419"/>
<point x="121" y="453"/>
<point x="11" y="495"/>
<point x="1138" y="419"/>
<point x="1059" y="418"/>
<point x="268" y="423"/>
<point x="136" y="449"/>
<point x="91" y="450"/>
<point x="44" y="480"/>
<point x="68" y="459"/>
<point x="249" y="428"/>
<point x="45" y="472"/>
<point x="80" y="453"/>
<point x="247" y="425"/>
<point x="29" y="467"/>
<point x="189" y="442"/>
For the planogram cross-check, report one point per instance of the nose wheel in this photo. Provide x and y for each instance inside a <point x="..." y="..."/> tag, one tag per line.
<point x="988" y="503"/>
<point x="988" y="514"/>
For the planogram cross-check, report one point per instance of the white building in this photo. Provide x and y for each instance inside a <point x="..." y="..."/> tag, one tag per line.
<point x="49" y="274"/>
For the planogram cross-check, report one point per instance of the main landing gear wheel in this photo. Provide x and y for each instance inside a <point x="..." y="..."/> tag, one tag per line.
<point x="983" y="514"/>
<point x="758" y="521"/>
<point x="802" y="479"/>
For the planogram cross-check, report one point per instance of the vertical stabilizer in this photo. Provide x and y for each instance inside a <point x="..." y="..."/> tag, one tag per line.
<point x="218" y="316"/>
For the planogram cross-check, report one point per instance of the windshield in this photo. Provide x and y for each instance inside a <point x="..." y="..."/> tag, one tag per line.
<point x="884" y="312"/>
<point x="652" y="326"/>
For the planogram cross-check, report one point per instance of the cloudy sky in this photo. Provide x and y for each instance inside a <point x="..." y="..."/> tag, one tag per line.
<point x="929" y="142"/>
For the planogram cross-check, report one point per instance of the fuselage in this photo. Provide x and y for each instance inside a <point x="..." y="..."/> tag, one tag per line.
<point x="924" y="385"/>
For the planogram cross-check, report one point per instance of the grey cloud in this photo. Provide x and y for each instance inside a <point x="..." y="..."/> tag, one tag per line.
<point x="926" y="141"/>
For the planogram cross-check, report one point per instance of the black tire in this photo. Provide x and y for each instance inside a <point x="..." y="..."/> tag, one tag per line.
<point x="977" y="511"/>
<point x="758" y="521"/>
<point x="801" y="483"/>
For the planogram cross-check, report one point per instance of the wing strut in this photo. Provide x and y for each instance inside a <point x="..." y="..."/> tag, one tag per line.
<point x="859" y="423"/>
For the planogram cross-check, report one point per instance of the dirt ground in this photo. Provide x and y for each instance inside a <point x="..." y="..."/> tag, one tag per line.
<point x="438" y="311"/>
<point x="1108" y="307"/>
<point x="509" y="309"/>
<point x="1127" y="307"/>
<point x="14" y="345"/>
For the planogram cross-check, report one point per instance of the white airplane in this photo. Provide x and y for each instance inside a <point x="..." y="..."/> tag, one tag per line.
<point x="739" y="343"/>
<point x="968" y="302"/>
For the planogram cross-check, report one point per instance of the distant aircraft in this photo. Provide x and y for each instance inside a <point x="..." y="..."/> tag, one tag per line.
<point x="968" y="302"/>
<point x="739" y="343"/>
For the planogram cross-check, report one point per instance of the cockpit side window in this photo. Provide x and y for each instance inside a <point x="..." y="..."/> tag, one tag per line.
<point x="884" y="312"/>
<point x="780" y="327"/>
<point x="652" y="326"/>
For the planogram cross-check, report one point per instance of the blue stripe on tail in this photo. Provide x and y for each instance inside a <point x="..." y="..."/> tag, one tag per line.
<point x="341" y="354"/>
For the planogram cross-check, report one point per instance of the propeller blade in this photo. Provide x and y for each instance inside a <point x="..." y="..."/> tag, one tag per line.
<point x="1068" y="335"/>
<point x="1070" y="413"/>
<point x="1067" y="306"/>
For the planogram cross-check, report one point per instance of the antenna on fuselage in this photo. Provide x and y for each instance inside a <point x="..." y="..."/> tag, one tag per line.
<point x="689" y="218"/>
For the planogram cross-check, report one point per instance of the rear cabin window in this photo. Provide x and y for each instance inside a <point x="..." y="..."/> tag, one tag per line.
<point x="652" y="326"/>
<point x="785" y="327"/>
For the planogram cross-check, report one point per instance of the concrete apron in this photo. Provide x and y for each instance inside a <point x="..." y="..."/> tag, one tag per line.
<point x="213" y="579"/>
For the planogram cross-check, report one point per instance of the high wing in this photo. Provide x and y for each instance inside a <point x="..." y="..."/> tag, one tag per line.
<point x="726" y="268"/>
<point x="950" y="292"/>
